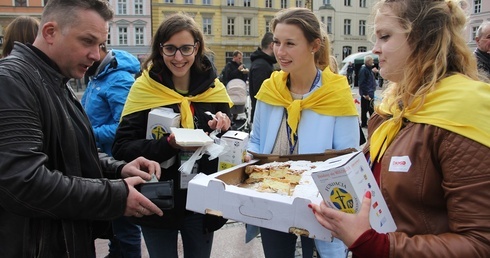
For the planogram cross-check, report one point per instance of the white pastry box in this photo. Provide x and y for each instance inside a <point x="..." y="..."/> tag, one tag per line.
<point x="236" y="148"/>
<point x="219" y="194"/>
<point x="343" y="183"/>
<point x="159" y="122"/>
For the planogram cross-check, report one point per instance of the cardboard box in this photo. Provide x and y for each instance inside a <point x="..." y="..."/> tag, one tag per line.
<point x="218" y="194"/>
<point x="159" y="122"/>
<point x="236" y="149"/>
<point x="343" y="184"/>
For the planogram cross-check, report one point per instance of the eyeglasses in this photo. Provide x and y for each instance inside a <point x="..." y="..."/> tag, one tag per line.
<point x="171" y="50"/>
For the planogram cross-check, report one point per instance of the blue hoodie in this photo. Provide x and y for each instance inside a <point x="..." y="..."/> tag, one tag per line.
<point x="106" y="94"/>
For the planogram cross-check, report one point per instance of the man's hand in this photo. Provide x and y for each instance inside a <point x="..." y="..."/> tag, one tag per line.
<point x="141" y="167"/>
<point x="138" y="205"/>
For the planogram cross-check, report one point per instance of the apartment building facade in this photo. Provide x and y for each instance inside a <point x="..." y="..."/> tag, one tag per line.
<point x="479" y="11"/>
<point x="236" y="24"/>
<point x="347" y="25"/>
<point x="131" y="30"/>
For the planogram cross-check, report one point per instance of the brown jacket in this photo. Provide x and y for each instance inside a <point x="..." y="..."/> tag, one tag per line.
<point x="441" y="204"/>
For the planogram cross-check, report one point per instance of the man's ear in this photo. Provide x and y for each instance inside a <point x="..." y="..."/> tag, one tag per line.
<point x="50" y="31"/>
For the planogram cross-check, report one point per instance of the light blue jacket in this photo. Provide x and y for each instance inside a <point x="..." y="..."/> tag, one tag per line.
<point x="106" y="94"/>
<point x="316" y="133"/>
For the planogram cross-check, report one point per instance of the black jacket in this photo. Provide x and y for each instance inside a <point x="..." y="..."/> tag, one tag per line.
<point x="367" y="82"/>
<point x="130" y="142"/>
<point x="483" y="62"/>
<point x="231" y="72"/>
<point x="51" y="193"/>
<point x="261" y="69"/>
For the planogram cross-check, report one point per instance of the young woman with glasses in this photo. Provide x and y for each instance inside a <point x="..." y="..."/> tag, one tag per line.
<point x="177" y="75"/>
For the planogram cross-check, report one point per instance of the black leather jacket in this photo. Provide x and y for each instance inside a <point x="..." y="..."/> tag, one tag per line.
<point x="52" y="200"/>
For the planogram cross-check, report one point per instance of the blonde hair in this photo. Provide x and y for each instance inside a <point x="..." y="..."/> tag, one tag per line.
<point x="435" y="35"/>
<point x="334" y="67"/>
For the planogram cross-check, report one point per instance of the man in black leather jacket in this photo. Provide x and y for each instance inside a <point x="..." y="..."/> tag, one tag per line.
<point x="54" y="200"/>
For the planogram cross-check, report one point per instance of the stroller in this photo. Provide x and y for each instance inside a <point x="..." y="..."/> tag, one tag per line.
<point x="237" y="90"/>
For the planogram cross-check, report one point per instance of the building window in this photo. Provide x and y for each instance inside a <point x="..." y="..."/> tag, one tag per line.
<point x="346" y="51"/>
<point x="123" y="35"/>
<point x="347" y="3"/>
<point x="139" y="36"/>
<point x="247" y="27"/>
<point x="206" y="2"/>
<point x="361" y="49"/>
<point x="473" y="32"/>
<point x="346" y="27"/>
<point x="169" y="1"/>
<point x="299" y="3"/>
<point x="326" y="2"/>
<point x="230" y="2"/>
<point x="362" y="28"/>
<point x="121" y="7"/>
<point x="19" y="3"/>
<point x="477" y="6"/>
<point x="329" y="24"/>
<point x="230" y="26"/>
<point x="246" y="3"/>
<point x="268" y="3"/>
<point x="109" y="37"/>
<point x="188" y="1"/>
<point x="268" y="26"/>
<point x="207" y="27"/>
<point x="284" y="4"/>
<point x="138" y="7"/>
<point x="362" y="3"/>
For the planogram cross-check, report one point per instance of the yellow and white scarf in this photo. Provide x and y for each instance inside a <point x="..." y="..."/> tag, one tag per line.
<point x="147" y="93"/>
<point x="458" y="104"/>
<point x="333" y="98"/>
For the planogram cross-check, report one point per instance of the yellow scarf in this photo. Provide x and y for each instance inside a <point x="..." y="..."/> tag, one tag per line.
<point x="146" y="93"/>
<point x="333" y="98"/>
<point x="459" y="104"/>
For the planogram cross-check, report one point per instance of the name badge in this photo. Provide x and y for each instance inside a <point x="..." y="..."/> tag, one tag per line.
<point x="400" y="164"/>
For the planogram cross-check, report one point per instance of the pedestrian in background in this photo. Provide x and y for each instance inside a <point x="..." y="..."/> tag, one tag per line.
<point x="482" y="51"/>
<point x="367" y="88"/>
<point x="297" y="103"/>
<point x="350" y="73"/>
<point x="110" y="80"/>
<point x="262" y="66"/>
<point x="179" y="76"/>
<point x="428" y="143"/>
<point x="53" y="197"/>
<point x="22" y="29"/>
<point x="235" y="69"/>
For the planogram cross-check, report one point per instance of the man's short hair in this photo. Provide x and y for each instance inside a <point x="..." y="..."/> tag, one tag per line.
<point x="237" y="52"/>
<point x="266" y="40"/>
<point x="481" y="27"/>
<point x="367" y="58"/>
<point x="65" y="12"/>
